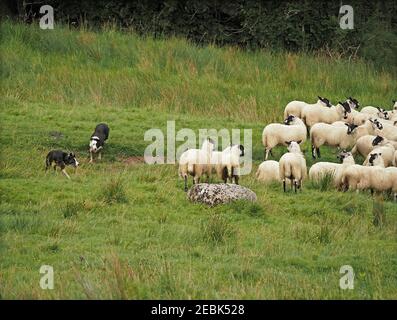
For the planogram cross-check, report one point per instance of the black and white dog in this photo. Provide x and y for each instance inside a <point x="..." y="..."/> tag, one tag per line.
<point x="98" y="138"/>
<point x="61" y="159"/>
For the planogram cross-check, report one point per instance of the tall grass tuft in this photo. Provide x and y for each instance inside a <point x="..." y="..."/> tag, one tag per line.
<point x="71" y="209"/>
<point x="217" y="229"/>
<point x="325" y="183"/>
<point x="114" y="191"/>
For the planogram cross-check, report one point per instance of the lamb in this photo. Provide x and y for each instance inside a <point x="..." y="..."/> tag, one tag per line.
<point x="275" y="134"/>
<point x="320" y="169"/>
<point x="335" y="136"/>
<point x="387" y="154"/>
<point x="226" y="163"/>
<point x="196" y="162"/>
<point x="268" y="171"/>
<point x="312" y="115"/>
<point x="294" y="108"/>
<point x="293" y="166"/>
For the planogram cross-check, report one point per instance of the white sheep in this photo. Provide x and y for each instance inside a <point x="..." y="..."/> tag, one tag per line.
<point x="294" y="108"/>
<point x="395" y="159"/>
<point x="386" y="130"/>
<point x="364" y="145"/>
<point x="292" y="166"/>
<point x="339" y="123"/>
<point x="268" y="171"/>
<point x="358" y="177"/>
<point x="391" y="173"/>
<point x="227" y="162"/>
<point x="311" y="115"/>
<point x="196" y="162"/>
<point x="320" y="169"/>
<point x="386" y="152"/>
<point x="275" y="134"/>
<point x="375" y="111"/>
<point x="334" y="136"/>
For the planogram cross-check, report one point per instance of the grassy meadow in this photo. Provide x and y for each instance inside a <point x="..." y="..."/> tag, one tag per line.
<point x="122" y="229"/>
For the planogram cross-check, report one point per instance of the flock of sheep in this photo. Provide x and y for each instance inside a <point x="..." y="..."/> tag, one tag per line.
<point x="371" y="132"/>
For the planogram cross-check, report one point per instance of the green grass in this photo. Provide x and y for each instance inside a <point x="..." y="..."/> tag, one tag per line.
<point x="122" y="229"/>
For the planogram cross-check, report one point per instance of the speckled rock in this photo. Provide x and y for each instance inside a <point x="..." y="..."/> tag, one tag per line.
<point x="213" y="194"/>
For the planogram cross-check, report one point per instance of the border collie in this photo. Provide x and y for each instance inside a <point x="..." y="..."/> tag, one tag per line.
<point x="61" y="159"/>
<point x="98" y="138"/>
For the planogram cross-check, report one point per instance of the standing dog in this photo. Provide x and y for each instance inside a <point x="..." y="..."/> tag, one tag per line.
<point x="61" y="159"/>
<point x="98" y="138"/>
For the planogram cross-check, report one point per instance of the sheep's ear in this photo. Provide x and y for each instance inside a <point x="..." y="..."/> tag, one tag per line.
<point x="346" y="124"/>
<point x="395" y="123"/>
<point x="288" y="142"/>
<point x="320" y="98"/>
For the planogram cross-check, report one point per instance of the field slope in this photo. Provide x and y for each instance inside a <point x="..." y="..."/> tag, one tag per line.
<point x="122" y="229"/>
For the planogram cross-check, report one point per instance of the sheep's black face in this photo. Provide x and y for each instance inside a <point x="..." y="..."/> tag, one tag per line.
<point x="346" y="109"/>
<point x="341" y="156"/>
<point x="378" y="124"/>
<point x="372" y="158"/>
<point x="326" y="102"/>
<point x="377" y="140"/>
<point x="241" y="150"/>
<point x="289" y="120"/>
<point x="353" y="103"/>
<point x="350" y="128"/>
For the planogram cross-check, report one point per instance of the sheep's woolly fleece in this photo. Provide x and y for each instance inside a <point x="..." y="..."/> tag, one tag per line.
<point x="214" y="194"/>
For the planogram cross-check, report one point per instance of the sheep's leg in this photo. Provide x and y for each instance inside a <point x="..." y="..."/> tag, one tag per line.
<point x="267" y="153"/>
<point x="185" y="183"/>
<point x="236" y="177"/>
<point x="284" y="185"/>
<point x="318" y="152"/>
<point x="313" y="152"/>
<point x="295" y="185"/>
<point x="395" y="197"/>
